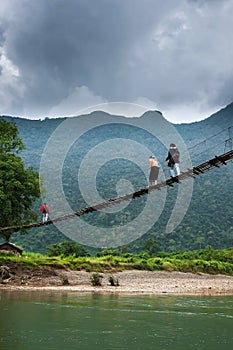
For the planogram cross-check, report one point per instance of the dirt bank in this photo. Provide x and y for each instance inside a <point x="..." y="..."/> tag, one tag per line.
<point x="135" y="282"/>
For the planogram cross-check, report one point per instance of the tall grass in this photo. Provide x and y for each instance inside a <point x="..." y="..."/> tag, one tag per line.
<point x="202" y="261"/>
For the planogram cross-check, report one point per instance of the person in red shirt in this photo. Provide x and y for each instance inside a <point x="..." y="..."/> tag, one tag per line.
<point x="45" y="210"/>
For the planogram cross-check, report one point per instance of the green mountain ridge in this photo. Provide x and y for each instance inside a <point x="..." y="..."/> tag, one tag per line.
<point x="209" y="219"/>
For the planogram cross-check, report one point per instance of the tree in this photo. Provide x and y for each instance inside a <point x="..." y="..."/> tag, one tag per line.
<point x="9" y="138"/>
<point x="151" y="246"/>
<point x="19" y="187"/>
<point x="67" y="248"/>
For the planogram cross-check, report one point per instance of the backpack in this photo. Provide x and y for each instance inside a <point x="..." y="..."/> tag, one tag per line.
<point x="44" y="211"/>
<point x="176" y="156"/>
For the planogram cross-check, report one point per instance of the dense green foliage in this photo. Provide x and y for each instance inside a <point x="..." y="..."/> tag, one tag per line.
<point x="67" y="249"/>
<point x="19" y="187"/>
<point x="9" y="139"/>
<point x="202" y="261"/>
<point x="208" y="221"/>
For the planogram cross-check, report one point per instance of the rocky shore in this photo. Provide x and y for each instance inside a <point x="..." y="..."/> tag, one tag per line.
<point x="130" y="281"/>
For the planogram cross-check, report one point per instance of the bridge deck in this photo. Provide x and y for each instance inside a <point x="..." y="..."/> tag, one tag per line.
<point x="217" y="161"/>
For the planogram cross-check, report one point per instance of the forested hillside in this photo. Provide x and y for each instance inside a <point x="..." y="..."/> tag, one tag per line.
<point x="209" y="219"/>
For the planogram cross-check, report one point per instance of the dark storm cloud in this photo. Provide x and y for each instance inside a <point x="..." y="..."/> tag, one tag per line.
<point x="57" y="53"/>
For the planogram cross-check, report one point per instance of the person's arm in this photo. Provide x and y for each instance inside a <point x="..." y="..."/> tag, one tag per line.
<point x="168" y="157"/>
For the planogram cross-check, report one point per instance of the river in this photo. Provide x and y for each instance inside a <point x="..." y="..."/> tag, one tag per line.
<point x="49" y="320"/>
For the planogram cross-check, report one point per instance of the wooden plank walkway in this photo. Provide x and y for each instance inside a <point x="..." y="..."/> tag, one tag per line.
<point x="215" y="162"/>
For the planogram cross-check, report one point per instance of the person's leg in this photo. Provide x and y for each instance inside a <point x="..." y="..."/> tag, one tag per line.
<point x="172" y="172"/>
<point x="151" y="177"/>
<point x="177" y="168"/>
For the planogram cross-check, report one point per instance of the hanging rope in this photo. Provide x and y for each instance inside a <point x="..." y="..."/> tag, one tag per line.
<point x="226" y="143"/>
<point x="217" y="161"/>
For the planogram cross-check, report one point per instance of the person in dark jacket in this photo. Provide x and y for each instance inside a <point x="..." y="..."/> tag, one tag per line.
<point x="173" y="159"/>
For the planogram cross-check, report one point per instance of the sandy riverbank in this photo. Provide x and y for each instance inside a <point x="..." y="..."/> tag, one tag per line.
<point x="130" y="282"/>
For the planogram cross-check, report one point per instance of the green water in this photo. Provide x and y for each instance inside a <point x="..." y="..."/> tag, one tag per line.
<point x="33" y="320"/>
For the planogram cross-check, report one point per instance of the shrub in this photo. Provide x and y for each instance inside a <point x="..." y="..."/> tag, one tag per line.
<point x="110" y="252"/>
<point x="96" y="279"/>
<point x="113" y="281"/>
<point x="168" y="266"/>
<point x="67" y="249"/>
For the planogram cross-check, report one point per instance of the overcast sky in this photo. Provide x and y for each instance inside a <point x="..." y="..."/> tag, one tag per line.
<point x="58" y="57"/>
